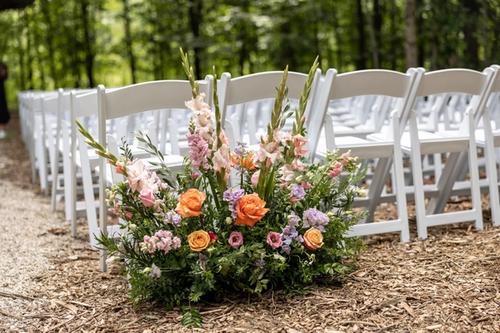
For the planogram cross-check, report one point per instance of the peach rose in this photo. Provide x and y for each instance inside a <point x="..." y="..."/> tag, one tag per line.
<point x="190" y="203"/>
<point x="313" y="239"/>
<point x="198" y="240"/>
<point x="250" y="209"/>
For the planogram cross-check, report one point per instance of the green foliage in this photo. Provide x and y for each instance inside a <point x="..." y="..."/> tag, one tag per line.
<point x="191" y="318"/>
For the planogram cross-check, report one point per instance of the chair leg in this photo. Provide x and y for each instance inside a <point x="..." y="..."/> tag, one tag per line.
<point x="491" y="170"/>
<point x="475" y="191"/>
<point x="377" y="185"/>
<point x="418" y="181"/>
<point x="399" y="189"/>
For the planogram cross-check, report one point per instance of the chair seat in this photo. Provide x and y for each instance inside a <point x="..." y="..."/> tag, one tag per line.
<point x="359" y="147"/>
<point x="430" y="143"/>
<point x="481" y="139"/>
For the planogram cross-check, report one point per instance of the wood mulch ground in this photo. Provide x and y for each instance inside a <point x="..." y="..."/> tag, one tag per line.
<point x="50" y="282"/>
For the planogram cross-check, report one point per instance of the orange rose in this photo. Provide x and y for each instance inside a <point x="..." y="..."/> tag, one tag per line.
<point x="190" y="203"/>
<point x="250" y="209"/>
<point x="198" y="240"/>
<point x="313" y="239"/>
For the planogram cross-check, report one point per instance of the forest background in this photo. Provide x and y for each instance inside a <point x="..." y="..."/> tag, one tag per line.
<point x="81" y="43"/>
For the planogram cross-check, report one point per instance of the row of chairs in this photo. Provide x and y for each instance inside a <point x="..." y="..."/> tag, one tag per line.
<point x="418" y="133"/>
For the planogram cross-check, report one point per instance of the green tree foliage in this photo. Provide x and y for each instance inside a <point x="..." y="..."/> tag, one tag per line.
<point x="70" y="43"/>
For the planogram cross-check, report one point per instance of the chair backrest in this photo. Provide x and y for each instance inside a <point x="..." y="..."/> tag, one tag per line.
<point x="495" y="85"/>
<point x="360" y="83"/>
<point x="135" y="99"/>
<point x="147" y="96"/>
<point x="258" y="87"/>
<point x="459" y="80"/>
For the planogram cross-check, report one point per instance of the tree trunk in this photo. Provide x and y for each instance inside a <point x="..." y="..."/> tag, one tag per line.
<point x="20" y="52"/>
<point x="29" y="49"/>
<point x="472" y="12"/>
<point x="338" y="40"/>
<point x="393" y="35"/>
<point x="195" y="21"/>
<point x="49" y="40"/>
<point x="411" y="55"/>
<point x="360" y="25"/>
<point x="88" y="41"/>
<point x="377" y="32"/>
<point x="128" y="40"/>
<point x="75" y="44"/>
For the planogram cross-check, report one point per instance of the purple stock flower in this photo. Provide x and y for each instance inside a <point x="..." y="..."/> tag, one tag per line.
<point x="314" y="218"/>
<point x="173" y="217"/>
<point x="232" y="196"/>
<point x="297" y="193"/>
<point x="290" y="233"/>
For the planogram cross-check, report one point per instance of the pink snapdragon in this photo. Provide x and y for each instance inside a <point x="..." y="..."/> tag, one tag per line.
<point x="198" y="151"/>
<point x="335" y="170"/>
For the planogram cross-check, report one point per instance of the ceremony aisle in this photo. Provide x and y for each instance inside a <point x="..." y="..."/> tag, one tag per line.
<point x="50" y="282"/>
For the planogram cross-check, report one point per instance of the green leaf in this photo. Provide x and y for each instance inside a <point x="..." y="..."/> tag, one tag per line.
<point x="191" y="318"/>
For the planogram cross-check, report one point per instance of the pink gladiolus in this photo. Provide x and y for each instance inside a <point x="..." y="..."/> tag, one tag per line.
<point x="300" y="145"/>
<point x="255" y="178"/>
<point x="136" y="175"/>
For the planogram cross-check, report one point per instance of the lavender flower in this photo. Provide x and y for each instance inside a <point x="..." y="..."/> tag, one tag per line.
<point x="173" y="217"/>
<point x="297" y="193"/>
<point x="232" y="196"/>
<point x="314" y="218"/>
<point x="290" y="233"/>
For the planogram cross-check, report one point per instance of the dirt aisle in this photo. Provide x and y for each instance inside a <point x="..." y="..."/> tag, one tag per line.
<point x="50" y="282"/>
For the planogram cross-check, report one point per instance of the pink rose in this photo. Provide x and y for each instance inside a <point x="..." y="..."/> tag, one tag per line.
<point x="274" y="239"/>
<point x="235" y="239"/>
<point x="147" y="197"/>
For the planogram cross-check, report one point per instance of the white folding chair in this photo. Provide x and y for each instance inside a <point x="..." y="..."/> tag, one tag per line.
<point x="418" y="143"/>
<point x="135" y="99"/>
<point x="489" y="139"/>
<point x="362" y="83"/>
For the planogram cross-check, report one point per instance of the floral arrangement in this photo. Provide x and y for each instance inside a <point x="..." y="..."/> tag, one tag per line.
<point x="243" y="220"/>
